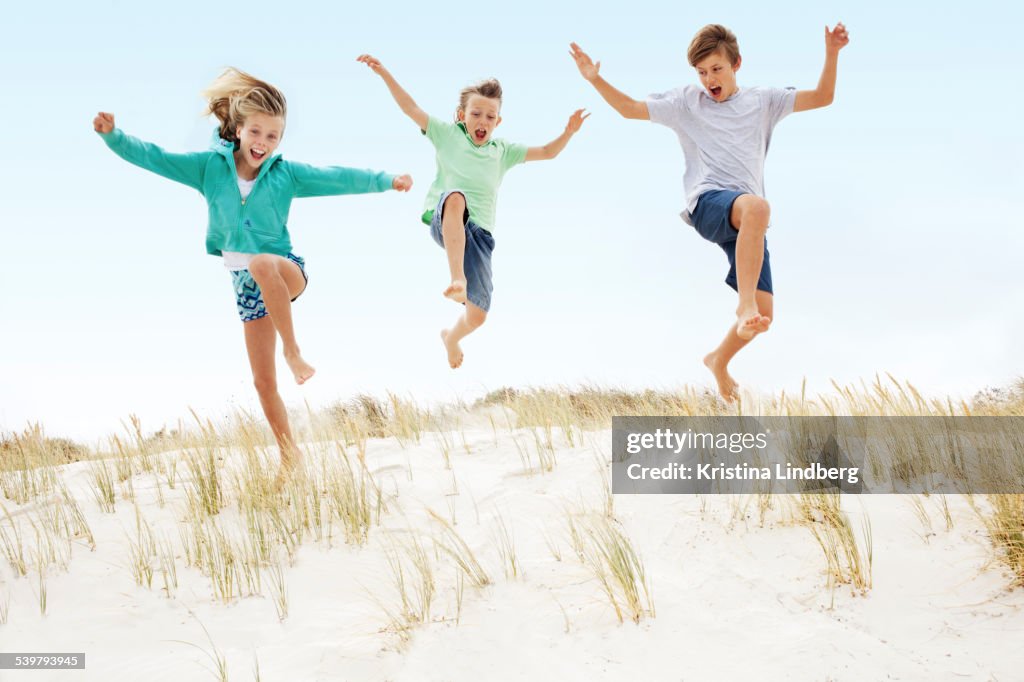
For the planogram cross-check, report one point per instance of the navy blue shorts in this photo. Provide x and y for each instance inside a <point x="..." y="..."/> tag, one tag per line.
<point x="711" y="220"/>
<point x="477" y="258"/>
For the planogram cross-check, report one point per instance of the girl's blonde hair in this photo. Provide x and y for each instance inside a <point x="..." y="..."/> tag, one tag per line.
<point x="490" y="88"/>
<point x="235" y="95"/>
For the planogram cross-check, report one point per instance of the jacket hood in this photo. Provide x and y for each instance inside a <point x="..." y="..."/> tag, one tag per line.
<point x="219" y="144"/>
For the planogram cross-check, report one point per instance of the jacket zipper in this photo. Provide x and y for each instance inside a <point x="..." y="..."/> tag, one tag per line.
<point x="263" y="170"/>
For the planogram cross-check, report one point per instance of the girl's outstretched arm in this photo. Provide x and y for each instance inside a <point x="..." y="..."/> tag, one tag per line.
<point x="311" y="181"/>
<point x="187" y="169"/>
<point x="405" y="102"/>
<point x="553" y="148"/>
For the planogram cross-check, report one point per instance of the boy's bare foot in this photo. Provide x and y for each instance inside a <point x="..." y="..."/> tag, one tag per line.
<point x="727" y="386"/>
<point x="456" y="291"/>
<point x="299" y="367"/>
<point x="750" y="323"/>
<point x="454" y="351"/>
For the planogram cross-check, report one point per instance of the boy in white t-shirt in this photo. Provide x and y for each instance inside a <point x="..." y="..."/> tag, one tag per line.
<point x="724" y="132"/>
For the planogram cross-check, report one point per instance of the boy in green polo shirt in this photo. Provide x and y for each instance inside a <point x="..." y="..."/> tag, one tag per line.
<point x="461" y="202"/>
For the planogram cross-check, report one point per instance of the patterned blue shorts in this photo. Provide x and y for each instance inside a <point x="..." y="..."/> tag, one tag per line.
<point x="248" y="297"/>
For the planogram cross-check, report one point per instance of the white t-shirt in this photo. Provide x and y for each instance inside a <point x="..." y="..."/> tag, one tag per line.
<point x="724" y="143"/>
<point x="233" y="260"/>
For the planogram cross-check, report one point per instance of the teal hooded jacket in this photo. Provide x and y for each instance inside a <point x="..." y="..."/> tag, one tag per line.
<point x="259" y="224"/>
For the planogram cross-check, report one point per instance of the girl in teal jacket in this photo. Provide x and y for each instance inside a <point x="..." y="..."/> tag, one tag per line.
<point x="249" y="189"/>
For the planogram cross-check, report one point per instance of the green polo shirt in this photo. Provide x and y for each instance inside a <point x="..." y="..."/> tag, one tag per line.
<point x="476" y="171"/>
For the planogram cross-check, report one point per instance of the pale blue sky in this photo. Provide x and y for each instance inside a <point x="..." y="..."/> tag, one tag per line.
<point x="896" y="212"/>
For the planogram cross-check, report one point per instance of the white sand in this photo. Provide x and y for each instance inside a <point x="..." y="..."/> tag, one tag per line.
<point x="733" y="599"/>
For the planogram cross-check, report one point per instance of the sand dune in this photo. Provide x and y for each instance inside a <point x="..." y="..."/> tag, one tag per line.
<point x="731" y="590"/>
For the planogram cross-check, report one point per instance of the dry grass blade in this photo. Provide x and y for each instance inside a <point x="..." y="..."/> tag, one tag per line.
<point x="614" y="562"/>
<point x="452" y="544"/>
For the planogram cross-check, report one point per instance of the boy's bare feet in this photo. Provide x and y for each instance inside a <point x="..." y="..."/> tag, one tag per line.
<point x="750" y="323"/>
<point x="299" y="367"/>
<point x="454" y="351"/>
<point x="456" y="291"/>
<point x="727" y="386"/>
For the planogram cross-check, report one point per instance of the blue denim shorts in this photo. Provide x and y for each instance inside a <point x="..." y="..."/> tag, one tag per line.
<point x="249" y="298"/>
<point x="711" y="220"/>
<point x="477" y="258"/>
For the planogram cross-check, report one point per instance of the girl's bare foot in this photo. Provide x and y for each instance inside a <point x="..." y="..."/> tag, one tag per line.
<point x="285" y="475"/>
<point x="456" y="291"/>
<point x="454" y="351"/>
<point x="291" y="461"/>
<point x="750" y="323"/>
<point x="279" y="480"/>
<point x="727" y="386"/>
<point x="299" y="367"/>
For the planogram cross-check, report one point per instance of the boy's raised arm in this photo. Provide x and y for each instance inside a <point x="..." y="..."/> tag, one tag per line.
<point x="621" y="102"/>
<point x="822" y="96"/>
<point x="405" y="102"/>
<point x="554" y="148"/>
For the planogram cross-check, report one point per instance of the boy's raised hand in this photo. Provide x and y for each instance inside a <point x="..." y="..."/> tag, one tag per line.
<point x="406" y="103"/>
<point x="373" y="63"/>
<point x="103" y="123"/>
<point x="576" y="121"/>
<point x="837" y="38"/>
<point x="588" y="69"/>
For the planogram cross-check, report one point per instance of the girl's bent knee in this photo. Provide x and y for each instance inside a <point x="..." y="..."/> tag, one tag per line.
<point x="261" y="266"/>
<point x="475" y="317"/>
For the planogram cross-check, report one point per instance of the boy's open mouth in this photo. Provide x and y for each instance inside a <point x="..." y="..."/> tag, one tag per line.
<point x="715" y="91"/>
<point x="480" y="135"/>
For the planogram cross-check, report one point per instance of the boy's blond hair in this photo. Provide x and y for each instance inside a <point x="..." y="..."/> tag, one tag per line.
<point x="711" y="39"/>
<point x="235" y="95"/>
<point x="489" y="88"/>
